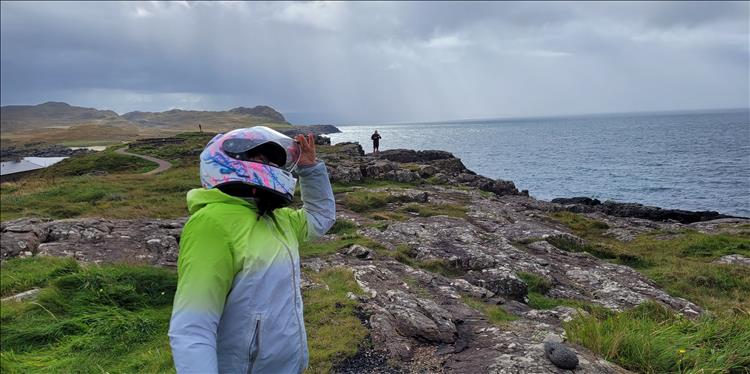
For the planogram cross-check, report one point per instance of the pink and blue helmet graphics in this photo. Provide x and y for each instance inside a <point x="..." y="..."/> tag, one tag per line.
<point x="221" y="161"/>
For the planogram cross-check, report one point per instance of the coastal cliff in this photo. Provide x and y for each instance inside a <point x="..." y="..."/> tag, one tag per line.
<point x="454" y="272"/>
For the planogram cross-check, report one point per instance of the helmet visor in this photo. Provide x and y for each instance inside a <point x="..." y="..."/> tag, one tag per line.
<point x="273" y="145"/>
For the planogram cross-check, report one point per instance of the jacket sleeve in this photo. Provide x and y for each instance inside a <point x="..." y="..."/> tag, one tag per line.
<point x="204" y="276"/>
<point x="318" y="204"/>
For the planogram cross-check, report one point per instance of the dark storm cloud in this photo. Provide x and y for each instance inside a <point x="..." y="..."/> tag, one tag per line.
<point x="378" y="61"/>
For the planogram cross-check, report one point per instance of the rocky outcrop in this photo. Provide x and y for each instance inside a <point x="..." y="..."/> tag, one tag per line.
<point x="612" y="208"/>
<point x="408" y="166"/>
<point x="153" y="242"/>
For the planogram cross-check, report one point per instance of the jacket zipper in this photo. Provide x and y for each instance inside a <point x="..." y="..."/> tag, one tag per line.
<point x="256" y="341"/>
<point x="294" y="291"/>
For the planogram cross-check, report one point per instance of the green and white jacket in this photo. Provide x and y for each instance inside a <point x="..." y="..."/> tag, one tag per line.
<point x="238" y="306"/>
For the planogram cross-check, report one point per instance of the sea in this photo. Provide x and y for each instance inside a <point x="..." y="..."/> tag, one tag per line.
<point x="697" y="160"/>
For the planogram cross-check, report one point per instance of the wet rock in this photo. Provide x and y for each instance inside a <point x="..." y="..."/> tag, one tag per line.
<point x="577" y="200"/>
<point x="411" y="156"/>
<point x="560" y="355"/>
<point x="587" y="205"/>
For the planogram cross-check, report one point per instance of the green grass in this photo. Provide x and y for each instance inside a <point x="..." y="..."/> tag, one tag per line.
<point x="429" y="210"/>
<point x="23" y="274"/>
<point x="115" y="318"/>
<point x="652" y="339"/>
<point x="580" y="224"/>
<point x="185" y="151"/>
<point x="343" y="227"/>
<point x="678" y="261"/>
<point x="109" y="318"/>
<point x="369" y="183"/>
<point x="494" y="313"/>
<point x="98" y="162"/>
<point x="325" y="247"/>
<point x="333" y="330"/>
<point x="362" y="201"/>
<point x="88" y="143"/>
<point x="538" y="287"/>
<point x="404" y="254"/>
<point x="535" y="283"/>
<point x="109" y="196"/>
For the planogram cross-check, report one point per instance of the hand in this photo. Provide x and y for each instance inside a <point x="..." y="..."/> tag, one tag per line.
<point x="307" y="149"/>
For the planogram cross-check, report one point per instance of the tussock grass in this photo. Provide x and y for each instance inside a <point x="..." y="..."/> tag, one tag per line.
<point x="115" y="319"/>
<point x="429" y="210"/>
<point x="535" y="283"/>
<point x="343" y="227"/>
<point x="109" y="318"/>
<point x="369" y="183"/>
<point x="494" y="313"/>
<point x="333" y="330"/>
<point x="580" y="224"/>
<point x="404" y="254"/>
<point x="362" y="201"/>
<point x="325" y="247"/>
<point x="652" y="339"/>
<point x="22" y="274"/>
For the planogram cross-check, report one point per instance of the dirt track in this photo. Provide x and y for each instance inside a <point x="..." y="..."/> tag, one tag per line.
<point x="163" y="165"/>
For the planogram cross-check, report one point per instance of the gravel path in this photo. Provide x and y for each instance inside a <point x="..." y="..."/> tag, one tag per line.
<point x="163" y="165"/>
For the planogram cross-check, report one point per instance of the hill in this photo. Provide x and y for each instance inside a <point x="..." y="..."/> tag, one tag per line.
<point x="14" y="118"/>
<point x="177" y="120"/>
<point x="62" y="123"/>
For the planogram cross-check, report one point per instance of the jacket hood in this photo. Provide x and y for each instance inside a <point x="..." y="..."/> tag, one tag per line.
<point x="197" y="198"/>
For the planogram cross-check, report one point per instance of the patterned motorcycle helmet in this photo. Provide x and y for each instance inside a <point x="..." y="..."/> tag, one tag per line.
<point x="258" y="157"/>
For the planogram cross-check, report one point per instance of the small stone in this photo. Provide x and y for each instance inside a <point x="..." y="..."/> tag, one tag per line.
<point x="560" y="355"/>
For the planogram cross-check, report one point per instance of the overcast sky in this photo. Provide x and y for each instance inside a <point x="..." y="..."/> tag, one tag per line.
<point x="378" y="62"/>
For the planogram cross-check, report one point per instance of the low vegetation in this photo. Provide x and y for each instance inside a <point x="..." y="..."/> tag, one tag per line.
<point x="182" y="149"/>
<point x="494" y="313"/>
<point x="100" y="163"/>
<point x="538" y="286"/>
<point x="404" y="254"/>
<point x="429" y="210"/>
<point x="333" y="330"/>
<point x="115" y="318"/>
<point x="94" y="319"/>
<point x="681" y="262"/>
<point x="651" y="338"/>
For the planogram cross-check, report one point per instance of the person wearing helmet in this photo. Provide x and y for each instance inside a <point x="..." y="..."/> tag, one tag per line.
<point x="238" y="305"/>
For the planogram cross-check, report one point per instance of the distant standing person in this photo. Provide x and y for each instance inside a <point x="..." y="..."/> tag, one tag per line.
<point x="375" y="142"/>
<point x="200" y="128"/>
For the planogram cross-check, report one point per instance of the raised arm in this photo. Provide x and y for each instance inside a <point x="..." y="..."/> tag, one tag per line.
<point x="317" y="199"/>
